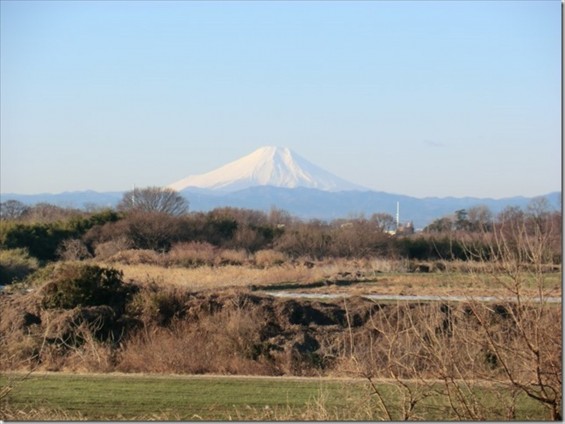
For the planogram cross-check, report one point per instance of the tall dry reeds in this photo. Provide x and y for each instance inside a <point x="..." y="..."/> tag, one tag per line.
<point x="214" y="277"/>
<point x="227" y="342"/>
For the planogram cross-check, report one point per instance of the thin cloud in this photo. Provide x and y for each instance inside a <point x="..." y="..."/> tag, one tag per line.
<point x="433" y="143"/>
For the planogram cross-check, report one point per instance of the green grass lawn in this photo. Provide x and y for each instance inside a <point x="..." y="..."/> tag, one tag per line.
<point x="186" y="398"/>
<point x="178" y="398"/>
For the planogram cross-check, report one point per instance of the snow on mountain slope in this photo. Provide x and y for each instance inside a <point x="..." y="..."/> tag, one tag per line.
<point x="267" y="166"/>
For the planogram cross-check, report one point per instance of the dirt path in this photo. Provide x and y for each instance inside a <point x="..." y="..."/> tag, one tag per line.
<point x="416" y="298"/>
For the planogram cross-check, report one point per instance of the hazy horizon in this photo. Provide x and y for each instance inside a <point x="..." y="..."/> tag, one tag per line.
<point x="425" y="99"/>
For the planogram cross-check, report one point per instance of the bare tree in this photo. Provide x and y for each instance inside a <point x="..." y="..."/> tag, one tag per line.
<point x="480" y="218"/>
<point x="310" y="239"/>
<point x="450" y="350"/>
<point x="47" y="213"/>
<point x="383" y="221"/>
<point x="12" y="209"/>
<point x="523" y="250"/>
<point x="154" y="199"/>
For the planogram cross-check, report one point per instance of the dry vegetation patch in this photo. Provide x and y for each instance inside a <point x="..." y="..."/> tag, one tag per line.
<point x="206" y="319"/>
<point x="207" y="277"/>
<point x="350" y="277"/>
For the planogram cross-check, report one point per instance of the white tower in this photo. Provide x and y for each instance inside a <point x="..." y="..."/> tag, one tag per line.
<point x="397" y="215"/>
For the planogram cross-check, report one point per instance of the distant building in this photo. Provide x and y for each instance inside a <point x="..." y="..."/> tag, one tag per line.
<point x="405" y="229"/>
<point x="402" y="229"/>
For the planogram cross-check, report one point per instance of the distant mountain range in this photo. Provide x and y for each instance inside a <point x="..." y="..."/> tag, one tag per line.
<point x="312" y="203"/>
<point x="277" y="177"/>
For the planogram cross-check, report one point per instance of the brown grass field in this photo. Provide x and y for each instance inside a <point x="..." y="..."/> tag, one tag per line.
<point x="358" y="277"/>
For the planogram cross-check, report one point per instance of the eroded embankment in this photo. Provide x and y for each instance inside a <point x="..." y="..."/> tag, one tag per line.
<point x="159" y="330"/>
<point x="171" y="330"/>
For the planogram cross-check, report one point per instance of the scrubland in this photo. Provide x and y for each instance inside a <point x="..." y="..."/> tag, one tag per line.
<point x="143" y="294"/>
<point x="442" y="358"/>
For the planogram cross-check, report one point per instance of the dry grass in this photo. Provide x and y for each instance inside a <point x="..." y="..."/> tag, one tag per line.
<point x="206" y="277"/>
<point x="269" y="258"/>
<point x="435" y="284"/>
<point x="10" y="413"/>
<point x="200" y="266"/>
<point x="136" y="257"/>
<point x="224" y="343"/>
<point x="374" y="276"/>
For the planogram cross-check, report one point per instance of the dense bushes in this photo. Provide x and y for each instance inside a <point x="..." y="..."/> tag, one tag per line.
<point x="156" y="231"/>
<point x="43" y="239"/>
<point x="240" y="233"/>
<point x="431" y="248"/>
<point x="71" y="285"/>
<point x="15" y="264"/>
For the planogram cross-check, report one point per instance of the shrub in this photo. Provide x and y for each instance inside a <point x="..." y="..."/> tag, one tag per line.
<point x="227" y="341"/>
<point x="110" y="248"/>
<point x="73" y="250"/>
<point x="219" y="229"/>
<point x="312" y="240"/>
<point x="16" y="264"/>
<point x="191" y="254"/>
<point x="41" y="240"/>
<point x="253" y="238"/>
<point x="156" y="231"/>
<point x="232" y="257"/>
<point x="267" y="258"/>
<point x="80" y="225"/>
<point x="136" y="257"/>
<point x="71" y="285"/>
<point x="157" y="305"/>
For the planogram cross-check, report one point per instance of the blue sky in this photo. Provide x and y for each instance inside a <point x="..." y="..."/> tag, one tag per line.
<point x="446" y="98"/>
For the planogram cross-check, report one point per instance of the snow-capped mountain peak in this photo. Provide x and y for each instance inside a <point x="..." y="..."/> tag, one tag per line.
<point x="267" y="166"/>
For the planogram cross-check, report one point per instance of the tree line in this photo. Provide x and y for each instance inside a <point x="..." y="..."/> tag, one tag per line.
<point x="157" y="219"/>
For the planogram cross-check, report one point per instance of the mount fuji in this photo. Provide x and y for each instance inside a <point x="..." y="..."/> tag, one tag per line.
<point x="267" y="166"/>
